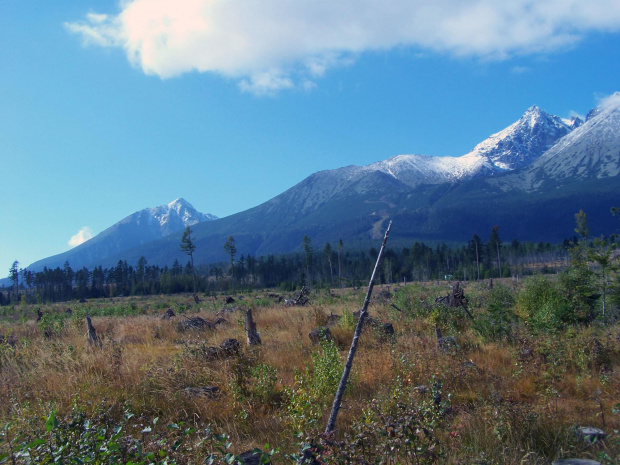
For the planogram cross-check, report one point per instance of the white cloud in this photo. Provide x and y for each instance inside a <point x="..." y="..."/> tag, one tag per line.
<point x="82" y="236"/>
<point x="610" y="101"/>
<point x="576" y="114"/>
<point x="266" y="83"/>
<point x="519" y="69"/>
<point x="277" y="44"/>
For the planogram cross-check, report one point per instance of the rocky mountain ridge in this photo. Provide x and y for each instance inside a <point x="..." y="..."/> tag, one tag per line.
<point x="529" y="179"/>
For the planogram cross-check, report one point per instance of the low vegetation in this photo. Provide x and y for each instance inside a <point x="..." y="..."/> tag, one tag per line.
<point x="518" y="382"/>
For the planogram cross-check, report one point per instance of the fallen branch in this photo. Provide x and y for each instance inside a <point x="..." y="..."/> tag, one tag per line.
<point x="396" y="307"/>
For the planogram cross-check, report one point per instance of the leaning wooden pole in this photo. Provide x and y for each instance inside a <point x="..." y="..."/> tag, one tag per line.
<point x="331" y="423"/>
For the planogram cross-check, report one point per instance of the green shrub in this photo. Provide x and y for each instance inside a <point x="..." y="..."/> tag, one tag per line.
<point x="347" y="321"/>
<point x="498" y="320"/>
<point x="314" y="389"/>
<point x="395" y="428"/>
<point x="51" y="324"/>
<point x="542" y="304"/>
<point x="99" y="439"/>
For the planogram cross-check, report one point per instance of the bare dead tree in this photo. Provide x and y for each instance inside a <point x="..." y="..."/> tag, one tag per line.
<point x="331" y="423"/>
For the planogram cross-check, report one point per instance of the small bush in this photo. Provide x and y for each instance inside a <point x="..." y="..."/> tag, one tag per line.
<point x="497" y="322"/>
<point x="314" y="389"/>
<point x="542" y="305"/>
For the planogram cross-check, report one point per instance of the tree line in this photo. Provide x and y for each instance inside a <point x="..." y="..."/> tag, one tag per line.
<point x="327" y="266"/>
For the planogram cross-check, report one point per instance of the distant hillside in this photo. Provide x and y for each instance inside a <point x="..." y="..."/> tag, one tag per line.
<point x="137" y="229"/>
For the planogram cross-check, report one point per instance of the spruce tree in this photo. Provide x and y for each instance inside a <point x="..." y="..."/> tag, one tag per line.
<point x="231" y="250"/>
<point x="188" y="246"/>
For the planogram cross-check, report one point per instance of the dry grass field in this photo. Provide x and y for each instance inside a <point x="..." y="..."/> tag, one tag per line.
<point x="516" y="398"/>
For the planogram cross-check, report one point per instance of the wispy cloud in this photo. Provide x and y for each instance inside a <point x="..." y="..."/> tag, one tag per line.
<point x="576" y="114"/>
<point x="609" y="101"/>
<point x="279" y="44"/>
<point x="82" y="236"/>
<point x="519" y="69"/>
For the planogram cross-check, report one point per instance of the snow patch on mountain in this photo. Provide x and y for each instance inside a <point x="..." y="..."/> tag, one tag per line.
<point x="425" y="169"/>
<point x="525" y="140"/>
<point x="179" y="210"/>
<point x="514" y="147"/>
<point x="592" y="151"/>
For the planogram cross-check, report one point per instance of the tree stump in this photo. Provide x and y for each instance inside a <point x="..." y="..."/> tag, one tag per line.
<point x="591" y="434"/>
<point x="444" y="343"/>
<point x="254" y="457"/>
<point x="168" y="315"/>
<point x="322" y="333"/>
<point x="252" y="336"/>
<point x="93" y="339"/>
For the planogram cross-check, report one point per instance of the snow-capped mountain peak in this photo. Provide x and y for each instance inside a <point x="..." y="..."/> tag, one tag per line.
<point x="523" y="141"/>
<point x="582" y="154"/>
<point x="176" y="215"/>
<point x="514" y="147"/>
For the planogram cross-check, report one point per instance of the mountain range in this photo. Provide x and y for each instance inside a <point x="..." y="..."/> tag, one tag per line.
<point x="529" y="179"/>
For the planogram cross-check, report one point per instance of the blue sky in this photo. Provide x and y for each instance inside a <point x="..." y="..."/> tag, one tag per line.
<point x="109" y="107"/>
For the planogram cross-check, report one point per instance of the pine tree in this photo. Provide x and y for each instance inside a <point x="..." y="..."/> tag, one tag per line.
<point x="327" y="251"/>
<point x="231" y="250"/>
<point x="14" y="277"/>
<point x="188" y="246"/>
<point x="495" y="244"/>
<point x="340" y="247"/>
<point x="306" y="243"/>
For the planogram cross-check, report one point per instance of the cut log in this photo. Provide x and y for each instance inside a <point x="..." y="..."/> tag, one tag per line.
<point x="575" y="462"/>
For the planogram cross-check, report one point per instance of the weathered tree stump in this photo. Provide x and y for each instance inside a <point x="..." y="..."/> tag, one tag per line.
<point x="228" y="348"/>
<point x="93" y="339"/>
<point x="252" y="336"/>
<point x="384" y="295"/>
<point x="332" y="320"/>
<point x="455" y="299"/>
<point x="444" y="343"/>
<point x="195" y="323"/>
<point x="322" y="333"/>
<point x="591" y="434"/>
<point x="368" y="321"/>
<point x="300" y="299"/>
<point x="388" y="329"/>
<point x="168" y="315"/>
<point x="254" y="457"/>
